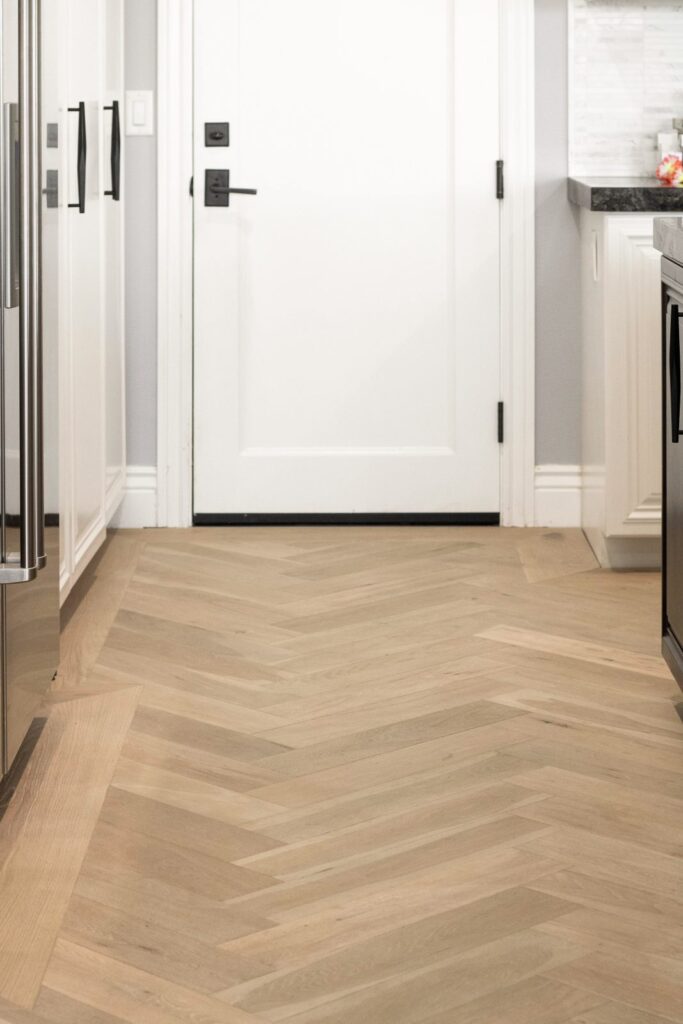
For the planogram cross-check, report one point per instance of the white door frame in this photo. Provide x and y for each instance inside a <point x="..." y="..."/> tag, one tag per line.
<point x="175" y="262"/>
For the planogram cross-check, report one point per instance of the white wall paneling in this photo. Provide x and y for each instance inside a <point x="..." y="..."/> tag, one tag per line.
<point x="175" y="262"/>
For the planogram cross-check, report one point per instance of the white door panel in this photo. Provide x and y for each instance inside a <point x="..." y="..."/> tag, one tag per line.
<point x="347" y="318"/>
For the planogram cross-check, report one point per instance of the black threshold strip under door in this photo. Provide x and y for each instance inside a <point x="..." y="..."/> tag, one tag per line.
<point x="352" y="519"/>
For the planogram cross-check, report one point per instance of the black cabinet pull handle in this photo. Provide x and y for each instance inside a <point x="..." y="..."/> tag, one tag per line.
<point x="675" y="373"/>
<point x="82" y="156"/>
<point x="115" y="191"/>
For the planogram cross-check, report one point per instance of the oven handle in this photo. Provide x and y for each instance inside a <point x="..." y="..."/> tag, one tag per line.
<point x="675" y="372"/>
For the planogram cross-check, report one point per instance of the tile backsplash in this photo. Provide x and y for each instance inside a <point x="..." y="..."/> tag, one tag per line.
<point x="627" y="83"/>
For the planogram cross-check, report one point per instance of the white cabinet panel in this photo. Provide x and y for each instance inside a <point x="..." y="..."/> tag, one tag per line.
<point x="634" y="379"/>
<point x="622" y="492"/>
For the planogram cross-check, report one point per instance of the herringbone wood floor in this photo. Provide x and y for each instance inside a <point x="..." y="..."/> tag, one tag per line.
<point x="394" y="776"/>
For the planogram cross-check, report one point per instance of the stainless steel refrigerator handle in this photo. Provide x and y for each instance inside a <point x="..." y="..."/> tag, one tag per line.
<point x="37" y="279"/>
<point x="10" y="199"/>
<point x="24" y="567"/>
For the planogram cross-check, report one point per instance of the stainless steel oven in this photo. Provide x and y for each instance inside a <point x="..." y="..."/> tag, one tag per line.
<point x="672" y="293"/>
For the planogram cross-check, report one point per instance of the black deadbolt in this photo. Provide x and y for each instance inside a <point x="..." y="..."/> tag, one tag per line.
<point x="217" y="134"/>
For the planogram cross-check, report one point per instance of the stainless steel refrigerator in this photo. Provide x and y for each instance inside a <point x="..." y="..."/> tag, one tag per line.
<point x="29" y="527"/>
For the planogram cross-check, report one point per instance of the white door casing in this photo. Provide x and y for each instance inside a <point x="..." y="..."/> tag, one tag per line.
<point x="114" y="261"/>
<point x="347" y="319"/>
<point x="175" y="263"/>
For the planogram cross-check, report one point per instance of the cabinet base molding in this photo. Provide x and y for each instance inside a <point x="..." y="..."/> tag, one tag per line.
<point x="138" y="509"/>
<point x="84" y="553"/>
<point x="558" y="496"/>
<point x="116" y="485"/>
<point x="625" y="554"/>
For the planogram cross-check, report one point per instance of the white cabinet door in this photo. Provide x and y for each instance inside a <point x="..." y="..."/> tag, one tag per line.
<point x="83" y="404"/>
<point x="347" y="317"/>
<point x="633" y="372"/>
<point x="622" y="389"/>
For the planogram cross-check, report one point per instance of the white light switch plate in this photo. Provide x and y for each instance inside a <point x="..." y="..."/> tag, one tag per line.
<point x="139" y="113"/>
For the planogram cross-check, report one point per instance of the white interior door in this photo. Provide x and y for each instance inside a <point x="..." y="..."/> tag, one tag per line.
<point x="347" y="319"/>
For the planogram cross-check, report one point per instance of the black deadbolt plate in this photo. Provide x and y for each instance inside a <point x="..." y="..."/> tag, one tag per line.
<point x="217" y="180"/>
<point x="217" y="134"/>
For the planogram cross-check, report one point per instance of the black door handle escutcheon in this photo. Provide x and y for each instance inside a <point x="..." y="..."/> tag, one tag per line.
<point x="217" y="190"/>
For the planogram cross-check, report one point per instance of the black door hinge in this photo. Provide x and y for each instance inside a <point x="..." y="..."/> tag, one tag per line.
<point x="500" y="179"/>
<point x="192" y="187"/>
<point x="501" y="423"/>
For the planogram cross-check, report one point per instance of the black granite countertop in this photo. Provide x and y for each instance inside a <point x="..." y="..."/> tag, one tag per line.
<point x="625" y="195"/>
<point x="669" y="237"/>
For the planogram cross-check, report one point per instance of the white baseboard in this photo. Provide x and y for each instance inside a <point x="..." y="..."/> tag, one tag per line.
<point x="138" y="510"/>
<point x="558" y="496"/>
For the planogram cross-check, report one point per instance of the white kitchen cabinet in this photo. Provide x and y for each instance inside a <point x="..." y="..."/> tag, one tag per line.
<point x="622" y="479"/>
<point x="92" y="441"/>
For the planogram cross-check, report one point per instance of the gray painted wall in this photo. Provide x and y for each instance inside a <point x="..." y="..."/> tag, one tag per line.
<point x="558" y="321"/>
<point x="141" y="232"/>
<point x="558" y="312"/>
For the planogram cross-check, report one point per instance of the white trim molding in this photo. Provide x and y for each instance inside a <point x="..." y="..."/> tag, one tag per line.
<point x="175" y="249"/>
<point x="175" y="261"/>
<point x="518" y="261"/>
<point x="558" y="496"/>
<point x="138" y="509"/>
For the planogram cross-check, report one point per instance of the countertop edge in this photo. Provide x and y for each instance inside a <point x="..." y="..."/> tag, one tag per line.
<point x="604" y="198"/>
<point x="669" y="238"/>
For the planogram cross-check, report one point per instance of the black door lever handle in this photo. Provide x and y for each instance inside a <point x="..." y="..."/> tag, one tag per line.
<point x="233" y="191"/>
<point x="217" y="189"/>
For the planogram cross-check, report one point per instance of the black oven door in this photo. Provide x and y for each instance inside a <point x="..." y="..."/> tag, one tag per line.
<point x="674" y="468"/>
